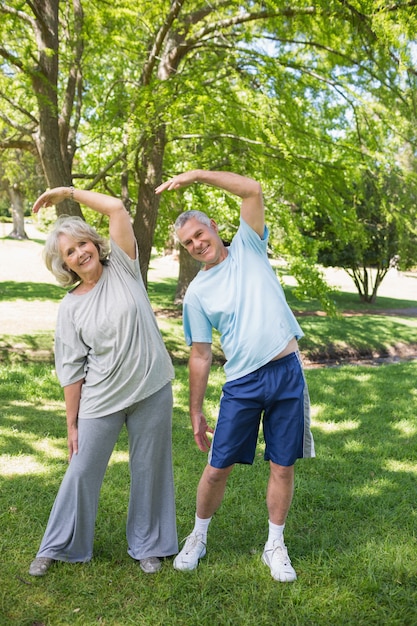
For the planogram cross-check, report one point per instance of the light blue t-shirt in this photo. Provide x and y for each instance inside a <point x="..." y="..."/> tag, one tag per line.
<point x="243" y="299"/>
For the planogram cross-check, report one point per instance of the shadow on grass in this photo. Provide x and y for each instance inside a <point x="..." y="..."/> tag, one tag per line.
<point x="346" y="301"/>
<point x="350" y="531"/>
<point x="35" y="347"/>
<point x="12" y="290"/>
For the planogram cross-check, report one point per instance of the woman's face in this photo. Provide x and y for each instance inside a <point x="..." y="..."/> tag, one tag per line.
<point x="80" y="256"/>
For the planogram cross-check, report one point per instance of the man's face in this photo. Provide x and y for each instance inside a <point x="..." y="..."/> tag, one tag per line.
<point x="202" y="242"/>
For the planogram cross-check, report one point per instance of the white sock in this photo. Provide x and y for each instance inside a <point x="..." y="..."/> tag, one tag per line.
<point x="276" y="532"/>
<point x="201" y="526"/>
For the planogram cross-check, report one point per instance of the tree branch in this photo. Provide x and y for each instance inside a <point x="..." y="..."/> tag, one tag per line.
<point x="17" y="107"/>
<point x="12" y="59"/>
<point x="8" y="10"/>
<point x="21" y="129"/>
<point x="102" y="174"/>
<point x="18" y="144"/>
<point x="397" y="6"/>
<point x="243" y="18"/>
<point x="159" y="40"/>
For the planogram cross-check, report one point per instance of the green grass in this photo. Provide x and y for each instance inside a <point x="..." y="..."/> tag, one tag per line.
<point x="351" y="531"/>
<point x="161" y="294"/>
<point x="364" y="335"/>
<point x="347" y="301"/>
<point x="325" y="338"/>
<point x="11" y="290"/>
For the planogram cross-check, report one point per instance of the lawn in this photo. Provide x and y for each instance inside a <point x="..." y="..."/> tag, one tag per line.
<point x="351" y="532"/>
<point x="363" y="334"/>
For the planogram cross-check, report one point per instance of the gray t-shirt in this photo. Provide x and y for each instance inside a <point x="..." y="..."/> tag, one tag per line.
<point x="110" y="337"/>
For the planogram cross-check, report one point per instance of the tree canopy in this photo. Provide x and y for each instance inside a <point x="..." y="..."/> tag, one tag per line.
<point x="312" y="99"/>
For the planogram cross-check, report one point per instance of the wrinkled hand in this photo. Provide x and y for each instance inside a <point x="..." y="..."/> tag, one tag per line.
<point x="51" y="197"/>
<point x="181" y="180"/>
<point x="72" y="441"/>
<point x="201" y="431"/>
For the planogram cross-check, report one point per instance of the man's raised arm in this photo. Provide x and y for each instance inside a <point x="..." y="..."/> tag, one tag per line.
<point x="252" y="207"/>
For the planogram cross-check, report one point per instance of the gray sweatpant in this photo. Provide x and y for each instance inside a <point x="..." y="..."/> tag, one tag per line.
<point x="151" y="525"/>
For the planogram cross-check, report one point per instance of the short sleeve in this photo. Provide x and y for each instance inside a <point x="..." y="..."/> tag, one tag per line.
<point x="197" y="326"/>
<point x="122" y="259"/>
<point x="70" y="351"/>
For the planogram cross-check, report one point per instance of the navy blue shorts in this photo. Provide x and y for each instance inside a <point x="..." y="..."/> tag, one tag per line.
<point x="277" y="393"/>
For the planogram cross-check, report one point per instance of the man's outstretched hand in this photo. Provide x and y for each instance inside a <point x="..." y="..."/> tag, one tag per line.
<point x="181" y="180"/>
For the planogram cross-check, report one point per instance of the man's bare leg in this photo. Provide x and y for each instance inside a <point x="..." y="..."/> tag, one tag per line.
<point x="280" y="492"/>
<point x="279" y="497"/>
<point x="210" y="494"/>
<point x="211" y="490"/>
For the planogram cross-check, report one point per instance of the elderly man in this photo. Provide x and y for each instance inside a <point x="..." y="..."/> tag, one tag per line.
<point x="238" y="293"/>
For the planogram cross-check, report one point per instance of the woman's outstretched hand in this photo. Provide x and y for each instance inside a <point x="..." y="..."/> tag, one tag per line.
<point x="51" y="197"/>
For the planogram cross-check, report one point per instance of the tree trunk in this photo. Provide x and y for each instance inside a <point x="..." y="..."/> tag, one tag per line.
<point x="189" y="267"/>
<point x="54" y="158"/>
<point x="362" y="277"/>
<point x="150" y="176"/>
<point x="18" y="213"/>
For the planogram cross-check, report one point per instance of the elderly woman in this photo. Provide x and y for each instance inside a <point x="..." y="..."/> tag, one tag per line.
<point x="115" y="371"/>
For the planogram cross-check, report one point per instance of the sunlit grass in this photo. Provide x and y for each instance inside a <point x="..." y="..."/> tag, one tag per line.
<point x="332" y="427"/>
<point x="20" y="465"/>
<point x="405" y="428"/>
<point x="397" y="466"/>
<point x="351" y="530"/>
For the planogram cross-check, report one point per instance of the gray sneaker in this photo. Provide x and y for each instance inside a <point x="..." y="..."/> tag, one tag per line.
<point x="278" y="561"/>
<point x="193" y="550"/>
<point x="40" y="565"/>
<point x="150" y="565"/>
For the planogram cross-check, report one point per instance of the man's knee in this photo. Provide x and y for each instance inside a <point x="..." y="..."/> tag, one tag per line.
<point x="281" y="472"/>
<point x="215" y="475"/>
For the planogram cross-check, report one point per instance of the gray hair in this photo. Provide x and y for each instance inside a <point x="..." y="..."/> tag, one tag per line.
<point x="75" y="227"/>
<point x="187" y="215"/>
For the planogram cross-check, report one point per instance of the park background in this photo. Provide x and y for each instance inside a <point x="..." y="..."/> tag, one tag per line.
<point x="317" y="101"/>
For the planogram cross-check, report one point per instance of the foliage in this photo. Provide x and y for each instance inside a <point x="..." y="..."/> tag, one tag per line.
<point x="295" y="95"/>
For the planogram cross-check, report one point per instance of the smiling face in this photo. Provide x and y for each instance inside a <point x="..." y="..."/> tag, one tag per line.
<point x="202" y="242"/>
<point x="81" y="257"/>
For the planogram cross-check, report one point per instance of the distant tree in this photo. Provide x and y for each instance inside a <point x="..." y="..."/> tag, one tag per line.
<point x="382" y="233"/>
<point x="20" y="180"/>
<point x="18" y="212"/>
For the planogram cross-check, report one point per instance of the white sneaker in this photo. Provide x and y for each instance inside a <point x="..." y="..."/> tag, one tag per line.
<point x="193" y="550"/>
<point x="278" y="561"/>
